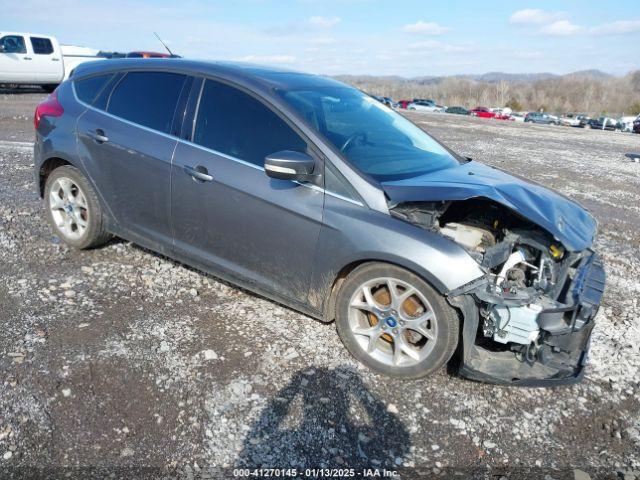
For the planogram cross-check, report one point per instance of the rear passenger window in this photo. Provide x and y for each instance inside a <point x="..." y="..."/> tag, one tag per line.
<point x="147" y="98"/>
<point x="236" y="124"/>
<point x="41" y="46"/>
<point x="88" y="89"/>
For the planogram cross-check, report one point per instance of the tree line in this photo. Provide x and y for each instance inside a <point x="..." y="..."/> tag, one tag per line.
<point x="590" y="95"/>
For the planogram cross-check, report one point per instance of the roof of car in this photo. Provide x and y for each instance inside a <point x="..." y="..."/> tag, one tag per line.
<point x="257" y="75"/>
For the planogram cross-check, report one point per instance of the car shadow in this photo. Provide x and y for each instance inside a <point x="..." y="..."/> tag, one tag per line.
<point x="325" y="418"/>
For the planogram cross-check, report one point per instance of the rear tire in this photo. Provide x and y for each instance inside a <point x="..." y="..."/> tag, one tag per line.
<point x="407" y="334"/>
<point x="73" y="209"/>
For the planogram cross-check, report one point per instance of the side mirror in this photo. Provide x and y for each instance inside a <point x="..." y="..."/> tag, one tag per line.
<point x="290" y="165"/>
<point x="1" y="48"/>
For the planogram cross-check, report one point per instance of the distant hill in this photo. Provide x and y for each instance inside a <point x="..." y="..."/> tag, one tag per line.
<point x="497" y="77"/>
<point x="489" y="77"/>
<point x="590" y="74"/>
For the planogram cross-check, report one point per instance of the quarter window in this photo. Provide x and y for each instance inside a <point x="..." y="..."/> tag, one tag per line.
<point x="89" y="88"/>
<point x="236" y="124"/>
<point x="147" y="98"/>
<point x="13" y="44"/>
<point x="41" y="46"/>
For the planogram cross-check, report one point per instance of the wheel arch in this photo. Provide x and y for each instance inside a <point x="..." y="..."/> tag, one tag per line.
<point x="332" y="292"/>
<point x="48" y="166"/>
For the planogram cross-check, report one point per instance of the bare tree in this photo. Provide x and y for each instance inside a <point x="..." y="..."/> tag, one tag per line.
<point x="592" y="95"/>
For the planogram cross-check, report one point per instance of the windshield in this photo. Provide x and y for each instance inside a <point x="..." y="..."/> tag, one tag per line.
<point x="375" y="139"/>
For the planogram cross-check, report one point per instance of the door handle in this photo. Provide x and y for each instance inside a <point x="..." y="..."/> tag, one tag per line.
<point x="55" y="59"/>
<point x="199" y="173"/>
<point x="98" y="136"/>
<point x="26" y="58"/>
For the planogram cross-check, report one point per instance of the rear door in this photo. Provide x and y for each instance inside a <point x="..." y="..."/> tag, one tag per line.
<point x="15" y="60"/>
<point x="127" y="141"/>
<point x="237" y="220"/>
<point x="46" y="61"/>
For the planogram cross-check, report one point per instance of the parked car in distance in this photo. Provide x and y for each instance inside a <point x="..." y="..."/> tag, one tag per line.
<point x="311" y="193"/>
<point x="151" y="55"/>
<point x="501" y="115"/>
<point x="625" y="124"/>
<point x="457" y="110"/>
<point x="518" y="116"/>
<point x="34" y="59"/>
<point x="425" y="106"/>
<point x="482" y="112"/>
<point x="636" y="125"/>
<point x="541" y="117"/>
<point x="384" y="100"/>
<point x="601" y="123"/>
<point x="404" y="103"/>
<point x="571" y="120"/>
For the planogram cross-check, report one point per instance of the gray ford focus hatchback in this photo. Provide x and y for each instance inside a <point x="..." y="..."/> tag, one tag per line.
<point x="312" y="193"/>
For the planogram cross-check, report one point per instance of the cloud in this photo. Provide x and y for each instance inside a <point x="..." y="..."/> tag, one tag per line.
<point x="281" y="59"/>
<point x="621" y="27"/>
<point x="323" y="41"/>
<point x="534" y="16"/>
<point x="434" y="46"/>
<point x="561" y="28"/>
<point x="291" y="28"/>
<point x="324" y="22"/>
<point x="527" y="55"/>
<point x="425" y="28"/>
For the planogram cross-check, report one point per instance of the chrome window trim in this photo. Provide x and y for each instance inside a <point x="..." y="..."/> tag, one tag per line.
<point x="206" y="149"/>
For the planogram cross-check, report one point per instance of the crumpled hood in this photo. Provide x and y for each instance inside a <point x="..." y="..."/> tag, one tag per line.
<point x="567" y="221"/>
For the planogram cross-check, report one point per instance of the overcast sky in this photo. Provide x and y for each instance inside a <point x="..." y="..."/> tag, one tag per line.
<point x="380" y="37"/>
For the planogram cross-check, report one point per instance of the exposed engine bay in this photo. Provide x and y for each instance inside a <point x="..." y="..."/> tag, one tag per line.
<point x="529" y="305"/>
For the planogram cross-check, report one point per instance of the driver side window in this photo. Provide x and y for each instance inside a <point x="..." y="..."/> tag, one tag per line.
<point x="234" y="123"/>
<point x="13" y="44"/>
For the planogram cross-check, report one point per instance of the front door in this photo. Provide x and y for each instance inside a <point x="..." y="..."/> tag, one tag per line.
<point x="126" y="146"/>
<point x="226" y="212"/>
<point x="15" y="60"/>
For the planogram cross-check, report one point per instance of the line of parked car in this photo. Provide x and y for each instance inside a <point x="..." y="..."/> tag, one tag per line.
<point x="622" y="124"/>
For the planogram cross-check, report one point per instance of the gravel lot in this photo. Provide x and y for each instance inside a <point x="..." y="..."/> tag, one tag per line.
<point x="120" y="358"/>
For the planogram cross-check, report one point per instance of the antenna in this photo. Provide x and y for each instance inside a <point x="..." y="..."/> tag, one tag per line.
<point x="163" y="44"/>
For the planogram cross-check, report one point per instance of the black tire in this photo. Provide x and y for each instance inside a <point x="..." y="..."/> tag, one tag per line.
<point x="50" y="87"/>
<point x="448" y="323"/>
<point x="95" y="233"/>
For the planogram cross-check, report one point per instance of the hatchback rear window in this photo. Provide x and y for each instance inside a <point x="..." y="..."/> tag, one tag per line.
<point x="41" y="46"/>
<point x="147" y="98"/>
<point x="88" y="89"/>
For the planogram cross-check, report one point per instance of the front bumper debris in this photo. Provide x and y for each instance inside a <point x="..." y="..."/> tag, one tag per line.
<point x="564" y="340"/>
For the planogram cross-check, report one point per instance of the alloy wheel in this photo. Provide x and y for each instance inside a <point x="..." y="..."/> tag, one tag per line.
<point x="393" y="322"/>
<point x="69" y="209"/>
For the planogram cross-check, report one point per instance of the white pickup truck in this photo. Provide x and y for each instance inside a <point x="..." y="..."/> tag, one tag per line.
<point x="31" y="59"/>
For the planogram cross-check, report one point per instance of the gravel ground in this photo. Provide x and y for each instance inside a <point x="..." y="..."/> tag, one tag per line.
<point x="123" y="360"/>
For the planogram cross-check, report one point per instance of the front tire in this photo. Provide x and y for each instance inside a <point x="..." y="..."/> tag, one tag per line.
<point x="394" y="322"/>
<point x="73" y="209"/>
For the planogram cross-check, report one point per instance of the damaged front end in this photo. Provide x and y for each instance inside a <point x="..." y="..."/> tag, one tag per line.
<point x="528" y="320"/>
